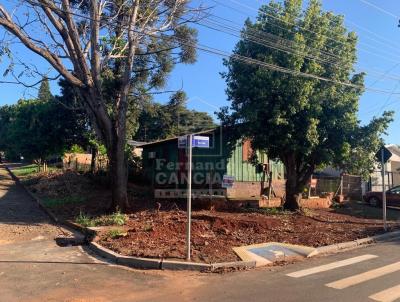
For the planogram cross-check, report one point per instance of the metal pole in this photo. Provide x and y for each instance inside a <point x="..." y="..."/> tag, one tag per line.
<point x="384" y="190"/>
<point x="189" y="198"/>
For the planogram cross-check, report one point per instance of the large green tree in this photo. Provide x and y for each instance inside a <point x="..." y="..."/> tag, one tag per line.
<point x="302" y="120"/>
<point x="45" y="126"/>
<point x="44" y="90"/>
<point x="159" y="121"/>
<point x="35" y="131"/>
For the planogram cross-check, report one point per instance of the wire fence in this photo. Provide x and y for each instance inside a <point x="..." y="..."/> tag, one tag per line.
<point x="349" y="186"/>
<point x="82" y="162"/>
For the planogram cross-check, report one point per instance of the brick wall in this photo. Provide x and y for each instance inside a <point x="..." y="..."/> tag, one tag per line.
<point x="248" y="190"/>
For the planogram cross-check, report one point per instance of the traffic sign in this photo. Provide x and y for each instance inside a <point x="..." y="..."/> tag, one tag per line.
<point x="201" y="141"/>
<point x="197" y="142"/>
<point x="386" y="155"/>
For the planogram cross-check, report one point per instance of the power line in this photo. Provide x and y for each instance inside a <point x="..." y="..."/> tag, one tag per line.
<point x="383" y="76"/>
<point x="277" y="45"/>
<point x="380" y="9"/>
<point x="240" y="26"/>
<point x="308" y="30"/>
<point x="384" y="41"/>
<point x="252" y="61"/>
<point x="266" y="43"/>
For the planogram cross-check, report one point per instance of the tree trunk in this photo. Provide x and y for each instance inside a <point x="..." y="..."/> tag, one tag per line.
<point x="118" y="175"/>
<point x="297" y="176"/>
<point x="93" y="161"/>
<point x="293" y="190"/>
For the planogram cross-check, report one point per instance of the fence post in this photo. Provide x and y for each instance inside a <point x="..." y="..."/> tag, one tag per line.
<point x="341" y="184"/>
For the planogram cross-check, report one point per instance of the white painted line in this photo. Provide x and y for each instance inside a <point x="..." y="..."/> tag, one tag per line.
<point x="372" y="274"/>
<point x="388" y="295"/>
<point x="330" y="266"/>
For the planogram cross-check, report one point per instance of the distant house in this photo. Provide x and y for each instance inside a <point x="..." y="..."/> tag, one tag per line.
<point x="393" y="172"/>
<point x="136" y="147"/>
<point x="165" y="167"/>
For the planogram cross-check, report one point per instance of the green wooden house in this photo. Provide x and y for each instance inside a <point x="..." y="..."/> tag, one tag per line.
<point x="165" y="168"/>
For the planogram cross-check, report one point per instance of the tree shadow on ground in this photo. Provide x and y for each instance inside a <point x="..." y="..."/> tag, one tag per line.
<point x="363" y="210"/>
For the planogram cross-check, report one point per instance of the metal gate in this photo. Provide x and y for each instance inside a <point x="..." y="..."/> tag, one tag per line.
<point x="351" y="187"/>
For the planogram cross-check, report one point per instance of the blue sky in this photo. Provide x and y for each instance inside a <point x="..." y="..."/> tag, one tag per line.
<point x="378" y="53"/>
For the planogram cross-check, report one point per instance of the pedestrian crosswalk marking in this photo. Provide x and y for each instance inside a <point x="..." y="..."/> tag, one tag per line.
<point x="330" y="266"/>
<point x="388" y="295"/>
<point x="369" y="275"/>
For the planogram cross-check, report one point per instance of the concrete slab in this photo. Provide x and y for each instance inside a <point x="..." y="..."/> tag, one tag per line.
<point x="268" y="253"/>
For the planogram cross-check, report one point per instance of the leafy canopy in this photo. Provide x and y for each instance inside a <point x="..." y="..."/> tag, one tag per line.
<point x="158" y="121"/>
<point x="304" y="122"/>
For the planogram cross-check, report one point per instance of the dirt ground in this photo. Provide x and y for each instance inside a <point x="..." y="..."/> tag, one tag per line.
<point x="150" y="232"/>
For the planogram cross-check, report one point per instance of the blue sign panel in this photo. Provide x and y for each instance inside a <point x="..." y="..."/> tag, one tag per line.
<point x="201" y="141"/>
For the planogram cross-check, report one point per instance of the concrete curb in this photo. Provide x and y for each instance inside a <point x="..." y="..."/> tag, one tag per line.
<point x="149" y="263"/>
<point x="354" y="244"/>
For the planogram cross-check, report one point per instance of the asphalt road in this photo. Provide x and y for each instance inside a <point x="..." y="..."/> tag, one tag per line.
<point x="34" y="268"/>
<point x="371" y="274"/>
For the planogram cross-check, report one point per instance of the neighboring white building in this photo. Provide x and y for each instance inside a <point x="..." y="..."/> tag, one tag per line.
<point x="393" y="171"/>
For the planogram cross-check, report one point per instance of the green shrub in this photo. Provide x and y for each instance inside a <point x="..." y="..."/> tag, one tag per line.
<point x="76" y="149"/>
<point x="116" y="218"/>
<point x="114" y="234"/>
<point x="85" y="220"/>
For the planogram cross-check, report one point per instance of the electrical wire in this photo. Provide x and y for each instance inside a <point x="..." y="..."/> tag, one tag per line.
<point x="252" y="61"/>
<point x="308" y="30"/>
<point x="376" y="7"/>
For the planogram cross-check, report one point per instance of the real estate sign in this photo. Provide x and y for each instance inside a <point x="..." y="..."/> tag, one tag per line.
<point x="228" y="181"/>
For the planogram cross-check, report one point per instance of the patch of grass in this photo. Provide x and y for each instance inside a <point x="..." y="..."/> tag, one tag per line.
<point x="56" y="202"/>
<point x="115" y="233"/>
<point x="25" y="170"/>
<point x="116" y="218"/>
<point x="85" y="220"/>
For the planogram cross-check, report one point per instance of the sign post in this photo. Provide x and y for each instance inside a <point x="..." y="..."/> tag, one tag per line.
<point x="384" y="189"/>
<point x="190" y="142"/>
<point x="383" y="156"/>
<point x="189" y="197"/>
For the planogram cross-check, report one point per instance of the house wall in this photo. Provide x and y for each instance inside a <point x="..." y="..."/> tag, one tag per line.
<point x="396" y="173"/>
<point x="212" y="164"/>
<point x="392" y="178"/>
